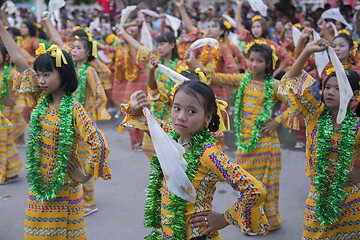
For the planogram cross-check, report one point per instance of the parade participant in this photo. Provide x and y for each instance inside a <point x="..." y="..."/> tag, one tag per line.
<point x="10" y="162"/>
<point x="29" y="41"/>
<point x="259" y="34"/>
<point x="258" y="147"/>
<point x="59" y="122"/>
<point x="194" y="119"/>
<point x="332" y="205"/>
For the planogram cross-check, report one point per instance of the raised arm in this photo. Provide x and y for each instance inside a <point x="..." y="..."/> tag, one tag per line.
<point x="13" y="49"/>
<point x="184" y="16"/>
<point x="52" y="32"/>
<point x="128" y="38"/>
<point x="305" y="33"/>
<point x="316" y="46"/>
<point x="238" y="20"/>
<point x="4" y="15"/>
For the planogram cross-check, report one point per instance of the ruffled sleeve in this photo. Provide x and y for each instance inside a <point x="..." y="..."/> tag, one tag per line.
<point x="290" y="117"/>
<point x="225" y="79"/>
<point x="27" y="82"/>
<point x="299" y="93"/>
<point x="99" y="93"/>
<point x="98" y="166"/>
<point x="245" y="213"/>
<point x="140" y="122"/>
<point x="103" y="73"/>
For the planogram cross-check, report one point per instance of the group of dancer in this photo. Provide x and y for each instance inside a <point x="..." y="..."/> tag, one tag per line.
<point x="67" y="88"/>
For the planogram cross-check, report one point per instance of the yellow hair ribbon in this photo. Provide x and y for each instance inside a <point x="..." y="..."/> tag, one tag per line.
<point x="19" y="40"/>
<point x="227" y="24"/>
<point x="201" y="75"/>
<point x="256" y="17"/>
<point x="38" y="25"/>
<point x="76" y="37"/>
<point x="58" y="54"/>
<point x="41" y="49"/>
<point x="94" y="49"/>
<point x="221" y="106"/>
<point x="76" y="28"/>
<point x="274" y="57"/>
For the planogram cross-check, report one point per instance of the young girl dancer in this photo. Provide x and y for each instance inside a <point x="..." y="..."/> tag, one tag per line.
<point x="10" y="162"/>
<point x="257" y="141"/>
<point x="55" y="206"/>
<point x="194" y="118"/>
<point x="332" y="207"/>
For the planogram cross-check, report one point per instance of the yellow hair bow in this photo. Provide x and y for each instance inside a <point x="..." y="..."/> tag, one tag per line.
<point x="221" y="106"/>
<point x="329" y="71"/>
<point x="76" y="37"/>
<point x="297" y="25"/>
<point x="227" y="24"/>
<point x="58" y="54"/>
<point x="202" y="76"/>
<point x="41" y="49"/>
<point x="94" y="43"/>
<point x="274" y="57"/>
<point x="256" y="17"/>
<point x="76" y="28"/>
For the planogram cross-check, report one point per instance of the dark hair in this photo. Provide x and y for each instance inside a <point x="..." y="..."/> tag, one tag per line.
<point x="264" y="27"/>
<point x="46" y="63"/>
<point x="350" y="42"/>
<point x="266" y="51"/>
<point x="14" y="31"/>
<point x="87" y="46"/>
<point x="221" y="25"/>
<point x="190" y="74"/>
<point x="32" y="28"/>
<point x="196" y="88"/>
<point x="3" y="52"/>
<point x="41" y="34"/>
<point x="354" y="80"/>
<point x="79" y="33"/>
<point x="169" y="38"/>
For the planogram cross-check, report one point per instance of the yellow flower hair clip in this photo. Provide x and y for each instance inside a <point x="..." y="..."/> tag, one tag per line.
<point x="344" y="31"/>
<point x="256" y="17"/>
<point x="38" y="25"/>
<point x="298" y="25"/>
<point x="258" y="41"/>
<point x="40" y="50"/>
<point x="110" y="38"/>
<point x="94" y="43"/>
<point x="227" y="25"/>
<point x="76" y="28"/>
<point x="329" y="71"/>
<point x="355" y="48"/>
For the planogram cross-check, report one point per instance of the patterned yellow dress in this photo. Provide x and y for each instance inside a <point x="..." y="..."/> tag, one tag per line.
<point x="245" y="214"/>
<point x="10" y="162"/>
<point x="348" y="225"/>
<point x="264" y="162"/>
<point x="95" y="106"/>
<point x="62" y="218"/>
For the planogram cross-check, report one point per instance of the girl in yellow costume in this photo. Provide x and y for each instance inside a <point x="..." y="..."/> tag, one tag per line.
<point x="257" y="141"/>
<point x="332" y="207"/>
<point x="195" y="117"/>
<point x="55" y="173"/>
<point x="10" y="162"/>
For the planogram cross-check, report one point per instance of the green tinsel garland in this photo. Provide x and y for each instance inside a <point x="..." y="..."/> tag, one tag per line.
<point x="262" y="118"/>
<point x="168" y="86"/>
<point x="41" y="189"/>
<point x="81" y="89"/>
<point x="5" y="85"/>
<point x="330" y="192"/>
<point x="178" y="206"/>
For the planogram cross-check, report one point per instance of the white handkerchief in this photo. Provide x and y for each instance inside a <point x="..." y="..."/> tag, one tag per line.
<point x="258" y="6"/>
<point x="204" y="41"/>
<point x="176" y="77"/>
<point x="321" y="58"/>
<point x="334" y="13"/>
<point x="125" y="14"/>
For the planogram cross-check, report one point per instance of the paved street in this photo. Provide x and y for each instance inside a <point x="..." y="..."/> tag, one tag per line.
<point x="121" y="201"/>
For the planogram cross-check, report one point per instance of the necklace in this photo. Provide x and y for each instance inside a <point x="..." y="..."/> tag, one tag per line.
<point x="81" y="90"/>
<point x="330" y="190"/>
<point x="215" y="54"/>
<point x="169" y="84"/>
<point x="5" y="85"/>
<point x="42" y="189"/>
<point x="130" y="76"/>
<point x="178" y="206"/>
<point x="263" y="117"/>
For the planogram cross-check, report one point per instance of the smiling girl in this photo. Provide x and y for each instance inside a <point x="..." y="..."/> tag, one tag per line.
<point x="332" y="207"/>
<point x="194" y="119"/>
<point x="58" y="123"/>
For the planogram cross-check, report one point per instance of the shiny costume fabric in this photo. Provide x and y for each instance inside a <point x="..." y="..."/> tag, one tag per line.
<point x="348" y="225"/>
<point x="62" y="218"/>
